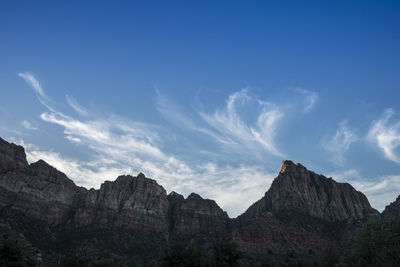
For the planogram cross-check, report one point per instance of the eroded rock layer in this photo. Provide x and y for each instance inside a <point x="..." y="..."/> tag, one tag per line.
<point x="133" y="217"/>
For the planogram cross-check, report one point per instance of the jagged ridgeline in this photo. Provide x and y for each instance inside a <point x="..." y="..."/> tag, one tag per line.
<point x="133" y="219"/>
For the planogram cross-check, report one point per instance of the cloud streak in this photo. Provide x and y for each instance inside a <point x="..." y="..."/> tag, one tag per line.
<point x="31" y="80"/>
<point x="311" y="98"/>
<point x="251" y="136"/>
<point x="35" y="84"/>
<point x="340" y="142"/>
<point x="117" y="146"/>
<point x="177" y="117"/>
<point x="75" y="106"/>
<point x="28" y="125"/>
<point x="385" y="133"/>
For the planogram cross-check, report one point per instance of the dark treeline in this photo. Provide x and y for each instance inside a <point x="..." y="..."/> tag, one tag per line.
<point x="377" y="243"/>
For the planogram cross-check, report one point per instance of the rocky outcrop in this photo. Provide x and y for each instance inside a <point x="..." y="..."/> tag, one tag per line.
<point x="11" y="156"/>
<point x="132" y="202"/>
<point x="38" y="190"/>
<point x="195" y="216"/>
<point x="393" y="209"/>
<point x="300" y="192"/>
<point x="302" y="214"/>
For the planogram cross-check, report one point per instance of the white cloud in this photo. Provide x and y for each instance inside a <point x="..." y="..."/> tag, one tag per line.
<point x="31" y="80"/>
<point x="120" y="149"/>
<point x="251" y="136"/>
<point x="106" y="136"/>
<point x="381" y="191"/>
<point x="35" y="84"/>
<point x="340" y="142"/>
<point x="73" y="139"/>
<point x="386" y="134"/>
<point x="77" y="170"/>
<point x="236" y="187"/>
<point x="311" y="98"/>
<point x="28" y="125"/>
<point x="74" y="104"/>
<point x="118" y="146"/>
<point x="177" y="117"/>
<point x="345" y="175"/>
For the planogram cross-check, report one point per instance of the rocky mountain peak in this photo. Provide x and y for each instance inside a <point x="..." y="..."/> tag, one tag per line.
<point x="194" y="197"/>
<point x="297" y="191"/>
<point x="175" y="198"/>
<point x="141" y="176"/>
<point x="173" y="193"/>
<point x="291" y="168"/>
<point x="12" y="156"/>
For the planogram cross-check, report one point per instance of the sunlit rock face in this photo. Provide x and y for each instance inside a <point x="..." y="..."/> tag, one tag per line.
<point x="393" y="209"/>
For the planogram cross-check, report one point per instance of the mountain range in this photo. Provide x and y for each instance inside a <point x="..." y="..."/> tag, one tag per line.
<point x="133" y="218"/>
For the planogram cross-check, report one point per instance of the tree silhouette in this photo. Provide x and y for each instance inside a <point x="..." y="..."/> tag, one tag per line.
<point x="375" y="244"/>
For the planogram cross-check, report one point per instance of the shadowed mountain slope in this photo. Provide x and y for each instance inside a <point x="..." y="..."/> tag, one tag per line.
<point x="133" y="217"/>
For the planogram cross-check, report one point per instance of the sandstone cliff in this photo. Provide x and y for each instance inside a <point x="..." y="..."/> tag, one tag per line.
<point x="298" y="192"/>
<point x="301" y="214"/>
<point x="133" y="212"/>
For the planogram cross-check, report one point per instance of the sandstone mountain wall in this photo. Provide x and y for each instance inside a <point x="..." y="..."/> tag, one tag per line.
<point x="302" y="213"/>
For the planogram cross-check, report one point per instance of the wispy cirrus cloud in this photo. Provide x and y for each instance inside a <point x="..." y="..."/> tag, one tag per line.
<point x="176" y="116"/>
<point x="340" y="142"/>
<point x="119" y="146"/>
<point x="311" y="98"/>
<point x="114" y="145"/>
<point x="74" y="104"/>
<point x="28" y="125"/>
<point x="251" y="135"/>
<point x="245" y="123"/>
<point x="102" y="134"/>
<point x="35" y="84"/>
<point x="31" y="80"/>
<point x="385" y="133"/>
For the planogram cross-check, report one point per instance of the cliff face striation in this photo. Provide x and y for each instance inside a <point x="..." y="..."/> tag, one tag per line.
<point x="302" y="213"/>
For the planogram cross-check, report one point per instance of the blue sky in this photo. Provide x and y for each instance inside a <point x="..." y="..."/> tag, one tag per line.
<point x="204" y="96"/>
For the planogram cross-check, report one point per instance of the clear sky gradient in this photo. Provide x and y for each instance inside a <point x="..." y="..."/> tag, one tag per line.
<point x="206" y="96"/>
